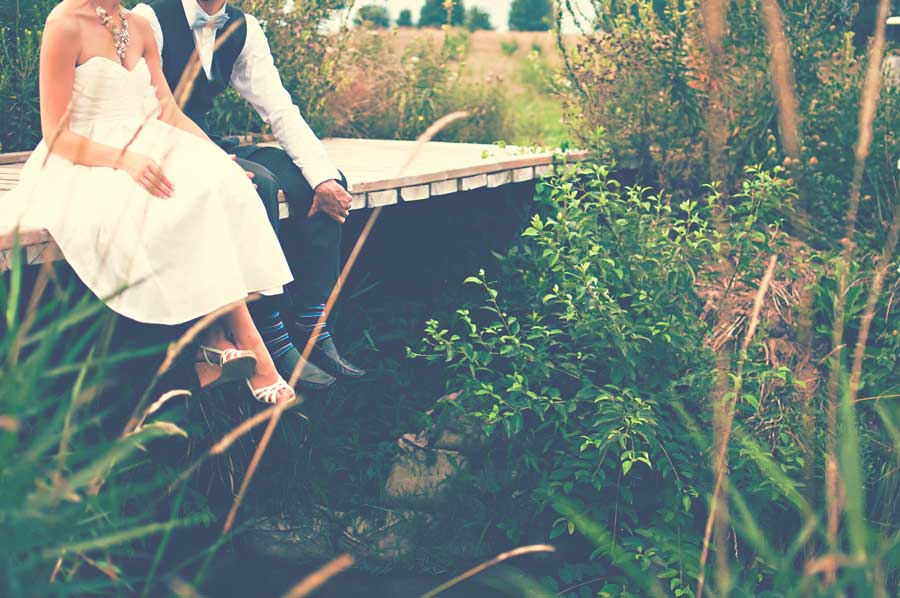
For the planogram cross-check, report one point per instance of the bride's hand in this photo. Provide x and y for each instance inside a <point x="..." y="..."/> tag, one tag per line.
<point x="148" y="174"/>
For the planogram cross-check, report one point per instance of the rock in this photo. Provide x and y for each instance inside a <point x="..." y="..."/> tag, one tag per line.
<point x="382" y="535"/>
<point x="464" y="435"/>
<point x="421" y="473"/>
<point x="297" y="536"/>
<point x="453" y="429"/>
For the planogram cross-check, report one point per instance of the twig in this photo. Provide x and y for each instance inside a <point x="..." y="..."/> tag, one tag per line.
<point x="868" y="104"/>
<point x="721" y="457"/>
<point x="317" y="579"/>
<point x="486" y="565"/>
<point x="329" y="305"/>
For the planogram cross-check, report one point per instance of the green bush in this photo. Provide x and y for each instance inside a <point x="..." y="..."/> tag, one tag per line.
<point x="576" y="357"/>
<point x="539" y="75"/>
<point x="588" y="359"/>
<point x="644" y="80"/>
<point x="404" y="19"/>
<point x="20" y="38"/>
<point x="436" y="13"/>
<point x="373" y="15"/>
<point x="307" y="59"/>
<point x="509" y="46"/>
<point x="391" y="95"/>
<point x="530" y="15"/>
<point x="477" y="19"/>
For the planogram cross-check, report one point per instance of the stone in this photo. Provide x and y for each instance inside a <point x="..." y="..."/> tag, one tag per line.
<point x="382" y="535"/>
<point x="421" y="474"/>
<point x="301" y="537"/>
<point x="453" y="429"/>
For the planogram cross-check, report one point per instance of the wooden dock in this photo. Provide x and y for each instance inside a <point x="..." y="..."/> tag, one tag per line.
<point x="381" y="173"/>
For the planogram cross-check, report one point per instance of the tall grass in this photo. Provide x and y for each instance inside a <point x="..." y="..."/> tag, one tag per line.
<point x="79" y="502"/>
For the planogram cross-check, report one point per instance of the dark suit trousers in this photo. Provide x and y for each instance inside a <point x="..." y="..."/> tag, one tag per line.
<point x="312" y="245"/>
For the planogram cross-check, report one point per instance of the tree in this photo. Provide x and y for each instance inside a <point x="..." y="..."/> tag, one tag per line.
<point x="530" y="15"/>
<point x="405" y="18"/>
<point x="434" y="13"/>
<point x="373" y="15"/>
<point x="478" y="19"/>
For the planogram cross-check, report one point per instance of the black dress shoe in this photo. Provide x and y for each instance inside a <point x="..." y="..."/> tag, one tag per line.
<point x="326" y="356"/>
<point x="312" y="378"/>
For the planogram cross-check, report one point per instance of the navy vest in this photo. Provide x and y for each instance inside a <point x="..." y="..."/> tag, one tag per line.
<point x="178" y="47"/>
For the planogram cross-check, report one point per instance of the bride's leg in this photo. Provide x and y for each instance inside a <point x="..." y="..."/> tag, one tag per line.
<point x="246" y="336"/>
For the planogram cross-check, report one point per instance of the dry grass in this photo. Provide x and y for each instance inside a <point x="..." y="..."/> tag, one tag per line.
<point x="486" y="60"/>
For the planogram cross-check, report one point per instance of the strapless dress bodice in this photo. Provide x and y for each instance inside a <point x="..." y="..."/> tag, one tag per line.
<point x="106" y="91"/>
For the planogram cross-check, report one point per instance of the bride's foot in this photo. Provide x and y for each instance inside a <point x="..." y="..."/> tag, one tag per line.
<point x="207" y="370"/>
<point x="218" y="361"/>
<point x="266" y="383"/>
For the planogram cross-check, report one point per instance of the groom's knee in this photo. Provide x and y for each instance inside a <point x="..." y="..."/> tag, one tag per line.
<point x="266" y="187"/>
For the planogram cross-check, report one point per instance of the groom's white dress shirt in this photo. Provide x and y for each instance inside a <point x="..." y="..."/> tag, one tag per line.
<point x="256" y="79"/>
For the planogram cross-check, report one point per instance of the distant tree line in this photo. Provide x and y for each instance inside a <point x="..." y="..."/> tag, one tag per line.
<point x="524" y="15"/>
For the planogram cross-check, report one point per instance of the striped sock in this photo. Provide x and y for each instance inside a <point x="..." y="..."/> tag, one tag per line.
<point x="275" y="334"/>
<point x="307" y="322"/>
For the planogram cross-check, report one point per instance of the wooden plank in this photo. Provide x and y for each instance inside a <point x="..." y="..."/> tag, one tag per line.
<point x="473" y="182"/>
<point x="358" y="202"/>
<point x="445" y="187"/>
<point x="521" y="175"/>
<point x="14" y="158"/>
<point x="415" y="193"/>
<point x="543" y="170"/>
<point x="381" y="173"/>
<point x="378" y="199"/>
<point x="498" y="179"/>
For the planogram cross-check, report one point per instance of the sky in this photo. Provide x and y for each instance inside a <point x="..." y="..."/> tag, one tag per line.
<point x="498" y="9"/>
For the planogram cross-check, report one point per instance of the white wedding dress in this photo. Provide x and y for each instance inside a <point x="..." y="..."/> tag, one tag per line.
<point x="176" y="259"/>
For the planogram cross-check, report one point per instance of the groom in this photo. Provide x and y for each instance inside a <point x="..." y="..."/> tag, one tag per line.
<point x="315" y="189"/>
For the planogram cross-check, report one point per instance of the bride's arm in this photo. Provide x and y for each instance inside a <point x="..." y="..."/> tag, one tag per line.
<point x="171" y="112"/>
<point x="60" y="47"/>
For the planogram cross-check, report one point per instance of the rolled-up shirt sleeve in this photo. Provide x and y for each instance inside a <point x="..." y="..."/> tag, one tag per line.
<point x="256" y="79"/>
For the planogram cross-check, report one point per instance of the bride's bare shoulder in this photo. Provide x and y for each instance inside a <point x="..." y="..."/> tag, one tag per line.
<point x="65" y="18"/>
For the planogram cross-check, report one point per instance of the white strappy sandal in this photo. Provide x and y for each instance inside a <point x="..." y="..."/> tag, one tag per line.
<point x="269" y="394"/>
<point x="236" y="364"/>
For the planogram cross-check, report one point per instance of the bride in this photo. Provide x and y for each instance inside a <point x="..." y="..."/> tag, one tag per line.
<point x="152" y="216"/>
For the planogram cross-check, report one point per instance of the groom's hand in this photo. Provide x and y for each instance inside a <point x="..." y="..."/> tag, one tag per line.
<point x="331" y="199"/>
<point x="250" y="175"/>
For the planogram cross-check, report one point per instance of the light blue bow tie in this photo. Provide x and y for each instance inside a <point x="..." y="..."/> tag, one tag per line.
<point x="203" y="20"/>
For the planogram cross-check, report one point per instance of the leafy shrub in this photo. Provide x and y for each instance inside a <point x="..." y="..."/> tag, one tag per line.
<point x="539" y="75"/>
<point x="588" y="357"/>
<point x="392" y="95"/>
<point x="404" y="19"/>
<point x="19" y="64"/>
<point x="644" y="80"/>
<point x="373" y="15"/>
<point x="577" y="355"/>
<point x="509" y="46"/>
<point x="530" y="15"/>
<point x="477" y="19"/>
<point x="437" y="13"/>
<point x="307" y="59"/>
<point x="20" y="28"/>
